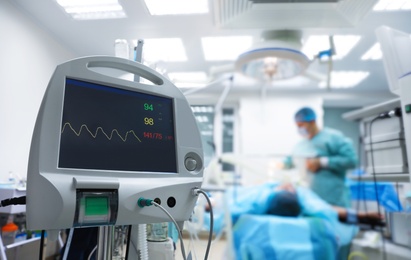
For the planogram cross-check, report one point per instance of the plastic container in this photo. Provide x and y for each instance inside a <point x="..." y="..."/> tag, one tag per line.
<point x="161" y="250"/>
<point x="8" y="232"/>
<point x="157" y="232"/>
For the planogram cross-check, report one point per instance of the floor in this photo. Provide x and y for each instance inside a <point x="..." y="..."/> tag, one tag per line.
<point x="198" y="248"/>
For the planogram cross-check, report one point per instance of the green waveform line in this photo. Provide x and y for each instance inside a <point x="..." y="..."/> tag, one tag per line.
<point x="109" y="137"/>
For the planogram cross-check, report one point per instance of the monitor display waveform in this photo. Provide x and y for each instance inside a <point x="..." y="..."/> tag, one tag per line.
<point x="100" y="129"/>
<point x="110" y="128"/>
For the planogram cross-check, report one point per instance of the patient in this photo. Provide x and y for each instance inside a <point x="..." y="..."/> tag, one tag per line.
<point x="285" y="203"/>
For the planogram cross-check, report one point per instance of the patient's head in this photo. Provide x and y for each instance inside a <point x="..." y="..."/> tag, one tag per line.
<point x="284" y="203"/>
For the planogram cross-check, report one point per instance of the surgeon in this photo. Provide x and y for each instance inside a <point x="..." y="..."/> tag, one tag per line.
<point x="329" y="154"/>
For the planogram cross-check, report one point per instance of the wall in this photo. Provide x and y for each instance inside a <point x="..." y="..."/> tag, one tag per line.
<point x="333" y="119"/>
<point x="29" y="56"/>
<point x="268" y="126"/>
<point x="268" y="133"/>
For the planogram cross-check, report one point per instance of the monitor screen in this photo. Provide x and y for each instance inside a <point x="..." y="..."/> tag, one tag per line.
<point x="108" y="128"/>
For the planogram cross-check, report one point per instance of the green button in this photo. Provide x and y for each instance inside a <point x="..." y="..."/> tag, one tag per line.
<point x="408" y="108"/>
<point x="96" y="206"/>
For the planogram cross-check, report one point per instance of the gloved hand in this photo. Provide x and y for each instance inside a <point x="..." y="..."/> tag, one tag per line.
<point x="313" y="164"/>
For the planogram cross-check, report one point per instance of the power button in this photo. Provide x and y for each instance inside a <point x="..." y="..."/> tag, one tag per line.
<point x="190" y="163"/>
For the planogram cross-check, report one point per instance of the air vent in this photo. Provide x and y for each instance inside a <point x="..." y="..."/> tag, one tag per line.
<point x="291" y="14"/>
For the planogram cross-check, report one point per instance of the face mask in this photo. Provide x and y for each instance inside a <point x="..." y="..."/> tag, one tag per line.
<point x="303" y="132"/>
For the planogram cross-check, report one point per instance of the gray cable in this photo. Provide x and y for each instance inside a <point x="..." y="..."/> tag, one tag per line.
<point x="91" y="253"/>
<point x="68" y="243"/>
<point x="183" y="252"/>
<point x="210" y="236"/>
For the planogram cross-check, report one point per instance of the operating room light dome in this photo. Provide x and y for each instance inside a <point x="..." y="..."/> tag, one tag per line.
<point x="276" y="57"/>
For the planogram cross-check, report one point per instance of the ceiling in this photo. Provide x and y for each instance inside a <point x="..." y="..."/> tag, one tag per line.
<point x="97" y="37"/>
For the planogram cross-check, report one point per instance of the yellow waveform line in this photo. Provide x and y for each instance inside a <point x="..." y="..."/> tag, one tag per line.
<point x="109" y="137"/>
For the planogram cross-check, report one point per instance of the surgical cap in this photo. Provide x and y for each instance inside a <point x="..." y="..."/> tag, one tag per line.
<point x="284" y="203"/>
<point x="305" y="114"/>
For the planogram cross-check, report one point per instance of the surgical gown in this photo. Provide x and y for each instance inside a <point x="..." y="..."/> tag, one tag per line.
<point x="329" y="182"/>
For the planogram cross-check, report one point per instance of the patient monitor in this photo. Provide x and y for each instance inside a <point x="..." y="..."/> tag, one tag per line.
<point x="101" y="143"/>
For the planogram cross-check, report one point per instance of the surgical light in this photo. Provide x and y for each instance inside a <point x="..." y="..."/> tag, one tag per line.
<point x="276" y="57"/>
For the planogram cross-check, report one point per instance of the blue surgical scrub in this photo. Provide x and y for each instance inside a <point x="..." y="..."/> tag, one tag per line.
<point x="329" y="182"/>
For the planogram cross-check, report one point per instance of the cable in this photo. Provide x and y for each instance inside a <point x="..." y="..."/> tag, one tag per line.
<point x="142" y="202"/>
<point x="357" y="253"/>
<point x="359" y="174"/>
<point x="375" y="180"/>
<point x="41" y="245"/>
<point x="191" y="231"/>
<point x="391" y="113"/>
<point x="175" y="223"/>
<point x="129" y="241"/>
<point x="13" y="201"/>
<point x="210" y="236"/>
<point x="68" y="243"/>
<point x="361" y="187"/>
<point x="91" y="253"/>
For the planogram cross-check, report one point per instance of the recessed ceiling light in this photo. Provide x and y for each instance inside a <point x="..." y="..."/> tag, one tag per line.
<point x="374" y="53"/>
<point x="345" y="79"/>
<point x="93" y="9"/>
<point x="225" y="48"/>
<point x="391" y="5"/>
<point x="175" y="7"/>
<point x="159" y="50"/>
<point x="317" y="43"/>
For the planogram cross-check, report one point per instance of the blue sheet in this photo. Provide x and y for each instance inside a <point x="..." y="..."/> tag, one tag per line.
<point x="387" y="195"/>
<point x="316" y="234"/>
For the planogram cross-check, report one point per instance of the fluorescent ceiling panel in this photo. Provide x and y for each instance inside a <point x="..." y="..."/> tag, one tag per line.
<point x="345" y="79"/>
<point x="374" y="53"/>
<point x="202" y="109"/>
<point x="392" y="5"/>
<point x="225" y="48"/>
<point x="176" y="7"/>
<point x="343" y="45"/>
<point x="207" y="133"/>
<point x="159" y="50"/>
<point x="93" y="9"/>
<point x="202" y="119"/>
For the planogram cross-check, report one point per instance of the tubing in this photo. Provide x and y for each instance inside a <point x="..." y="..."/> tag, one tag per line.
<point x="142" y="241"/>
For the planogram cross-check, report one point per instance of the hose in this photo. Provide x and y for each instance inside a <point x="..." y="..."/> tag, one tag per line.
<point x="142" y="241"/>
